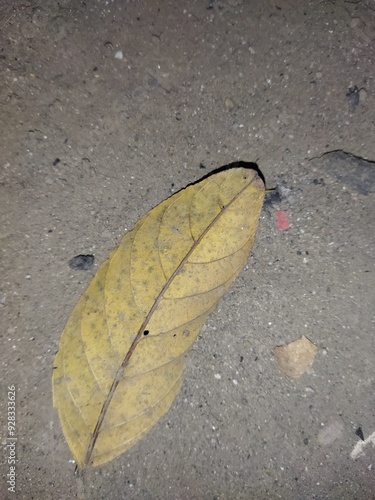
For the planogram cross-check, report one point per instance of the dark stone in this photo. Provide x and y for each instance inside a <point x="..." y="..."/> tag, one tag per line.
<point x="82" y="262"/>
<point x="353" y="171"/>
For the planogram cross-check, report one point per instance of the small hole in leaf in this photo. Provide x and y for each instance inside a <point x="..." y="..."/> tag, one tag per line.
<point x="146" y="332"/>
<point x="174" y="335"/>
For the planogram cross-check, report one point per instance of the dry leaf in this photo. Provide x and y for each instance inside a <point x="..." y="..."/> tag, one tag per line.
<point x="295" y="358"/>
<point x="122" y="353"/>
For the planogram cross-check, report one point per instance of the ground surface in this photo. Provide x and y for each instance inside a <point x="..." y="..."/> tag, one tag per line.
<point x="90" y="142"/>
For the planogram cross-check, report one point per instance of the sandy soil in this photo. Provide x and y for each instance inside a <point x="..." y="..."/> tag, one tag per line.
<point x="91" y="141"/>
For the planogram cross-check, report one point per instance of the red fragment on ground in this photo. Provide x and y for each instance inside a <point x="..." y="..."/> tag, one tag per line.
<point x="282" y="219"/>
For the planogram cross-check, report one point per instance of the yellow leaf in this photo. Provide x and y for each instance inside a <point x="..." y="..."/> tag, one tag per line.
<point x="122" y="354"/>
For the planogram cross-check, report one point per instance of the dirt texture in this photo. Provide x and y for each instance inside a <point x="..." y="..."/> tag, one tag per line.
<point x="109" y="107"/>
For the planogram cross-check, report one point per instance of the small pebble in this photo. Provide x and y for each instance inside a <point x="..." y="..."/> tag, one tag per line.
<point x="353" y="98"/>
<point x="82" y="262"/>
<point x="362" y="95"/>
<point x="229" y="104"/>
